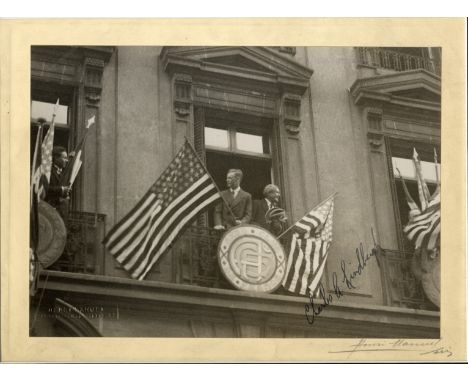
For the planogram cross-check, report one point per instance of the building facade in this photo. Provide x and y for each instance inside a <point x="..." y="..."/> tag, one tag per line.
<point x="313" y="120"/>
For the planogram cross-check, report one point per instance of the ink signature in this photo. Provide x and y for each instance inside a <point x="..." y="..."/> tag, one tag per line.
<point x="315" y="308"/>
<point x="422" y="347"/>
<point x="362" y="258"/>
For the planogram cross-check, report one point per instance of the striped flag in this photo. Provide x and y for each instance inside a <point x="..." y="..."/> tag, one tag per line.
<point x="74" y="166"/>
<point x="37" y="186"/>
<point x="311" y="239"/>
<point x="184" y="190"/>
<point x="47" y="145"/>
<point x="423" y="228"/>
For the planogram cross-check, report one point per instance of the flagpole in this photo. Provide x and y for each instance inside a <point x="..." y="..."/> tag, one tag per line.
<point x="74" y="171"/>
<point x="436" y="168"/>
<point x="318" y="205"/>
<point x="412" y="204"/>
<point x="206" y="170"/>
<point x="54" y="113"/>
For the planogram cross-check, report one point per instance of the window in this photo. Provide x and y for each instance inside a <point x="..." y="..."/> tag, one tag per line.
<point x="43" y="102"/>
<point x="230" y="145"/>
<point x="401" y="154"/>
<point x="233" y="140"/>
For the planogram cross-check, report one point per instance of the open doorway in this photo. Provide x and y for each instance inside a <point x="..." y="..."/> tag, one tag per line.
<point x="257" y="173"/>
<point x="233" y="141"/>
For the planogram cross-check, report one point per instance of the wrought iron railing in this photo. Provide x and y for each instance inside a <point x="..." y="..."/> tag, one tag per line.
<point x="195" y="258"/>
<point x="390" y="59"/>
<point x="401" y="288"/>
<point x="84" y="252"/>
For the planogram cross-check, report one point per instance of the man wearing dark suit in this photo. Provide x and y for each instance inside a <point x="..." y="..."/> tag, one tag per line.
<point x="57" y="194"/>
<point x="270" y="203"/>
<point x="238" y="200"/>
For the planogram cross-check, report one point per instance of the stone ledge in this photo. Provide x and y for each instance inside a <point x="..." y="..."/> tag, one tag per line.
<point x="144" y="294"/>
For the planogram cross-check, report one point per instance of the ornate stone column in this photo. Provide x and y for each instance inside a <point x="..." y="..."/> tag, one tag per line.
<point x="291" y="113"/>
<point x="182" y="96"/>
<point x="92" y="72"/>
<point x="380" y="180"/>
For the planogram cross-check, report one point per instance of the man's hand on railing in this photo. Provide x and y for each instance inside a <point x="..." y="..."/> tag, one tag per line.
<point x="219" y="227"/>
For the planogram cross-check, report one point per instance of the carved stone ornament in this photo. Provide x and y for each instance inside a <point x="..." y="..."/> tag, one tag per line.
<point x="375" y="140"/>
<point x="93" y="97"/>
<point x="182" y="95"/>
<point x="93" y="69"/>
<point x="374" y="127"/>
<point x="292" y="113"/>
<point x="374" y="118"/>
<point x="181" y="108"/>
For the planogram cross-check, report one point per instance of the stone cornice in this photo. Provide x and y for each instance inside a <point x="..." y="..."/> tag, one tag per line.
<point x="363" y="97"/>
<point x="278" y="69"/>
<point x="148" y="294"/>
<point x="381" y="89"/>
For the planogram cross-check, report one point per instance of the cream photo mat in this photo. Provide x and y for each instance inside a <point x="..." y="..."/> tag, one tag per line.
<point x="16" y="40"/>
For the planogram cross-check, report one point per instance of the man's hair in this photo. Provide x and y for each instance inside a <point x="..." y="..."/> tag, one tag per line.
<point x="57" y="151"/>
<point x="268" y="188"/>
<point x="237" y="172"/>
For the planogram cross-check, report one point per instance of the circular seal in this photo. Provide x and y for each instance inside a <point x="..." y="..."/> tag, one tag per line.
<point x="251" y="258"/>
<point x="52" y="235"/>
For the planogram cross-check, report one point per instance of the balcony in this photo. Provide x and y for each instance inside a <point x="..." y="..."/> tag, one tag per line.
<point x="83" y="251"/>
<point x="195" y="262"/>
<point x="401" y="288"/>
<point x="396" y="61"/>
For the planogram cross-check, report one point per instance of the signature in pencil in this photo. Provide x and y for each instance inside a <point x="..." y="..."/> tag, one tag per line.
<point x="424" y="347"/>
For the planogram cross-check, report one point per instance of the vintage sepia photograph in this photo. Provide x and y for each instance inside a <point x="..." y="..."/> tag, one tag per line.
<point x="233" y="190"/>
<point x="236" y="192"/>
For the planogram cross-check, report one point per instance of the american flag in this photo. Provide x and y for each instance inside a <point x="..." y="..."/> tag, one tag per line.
<point x="37" y="184"/>
<point x="47" y="145"/>
<point x="423" y="228"/>
<point x="184" y="190"/>
<point x="311" y="239"/>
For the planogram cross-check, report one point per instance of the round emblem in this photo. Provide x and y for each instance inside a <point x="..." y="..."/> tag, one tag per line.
<point x="251" y="258"/>
<point x="52" y="235"/>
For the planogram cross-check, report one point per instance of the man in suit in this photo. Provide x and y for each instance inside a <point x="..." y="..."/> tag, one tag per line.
<point x="57" y="194"/>
<point x="238" y="200"/>
<point x="266" y="212"/>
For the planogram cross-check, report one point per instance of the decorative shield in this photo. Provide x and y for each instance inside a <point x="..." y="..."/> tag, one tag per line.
<point x="52" y="235"/>
<point x="251" y="259"/>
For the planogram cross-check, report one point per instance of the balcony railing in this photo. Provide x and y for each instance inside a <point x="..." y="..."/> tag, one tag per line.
<point x="83" y="252"/>
<point x="401" y="288"/>
<point x="389" y="59"/>
<point x="195" y="258"/>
